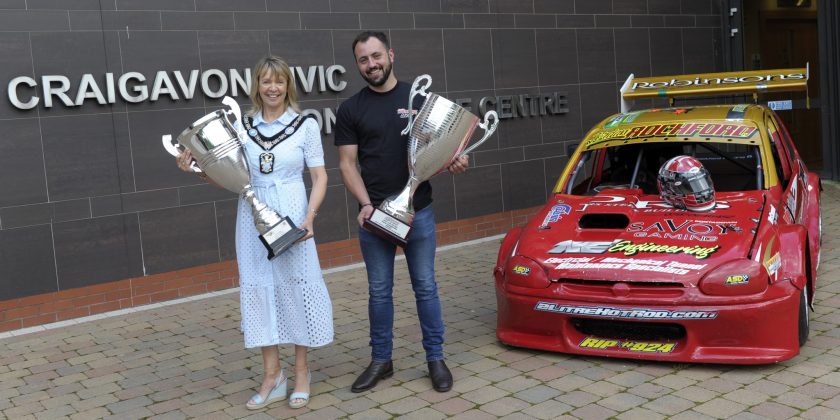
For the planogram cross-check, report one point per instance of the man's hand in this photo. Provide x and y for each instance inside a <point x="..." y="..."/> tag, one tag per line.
<point x="364" y="214"/>
<point x="460" y="165"/>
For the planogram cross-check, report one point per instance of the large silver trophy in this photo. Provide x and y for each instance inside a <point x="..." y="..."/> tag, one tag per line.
<point x="437" y="136"/>
<point x="216" y="146"/>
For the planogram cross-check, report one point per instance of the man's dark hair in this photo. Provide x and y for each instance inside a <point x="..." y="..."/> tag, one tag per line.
<point x="366" y="35"/>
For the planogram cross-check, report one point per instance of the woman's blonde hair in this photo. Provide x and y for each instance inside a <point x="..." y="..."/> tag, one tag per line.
<point x="277" y="67"/>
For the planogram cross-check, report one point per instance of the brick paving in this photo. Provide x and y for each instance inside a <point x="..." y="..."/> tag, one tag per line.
<point x="186" y="360"/>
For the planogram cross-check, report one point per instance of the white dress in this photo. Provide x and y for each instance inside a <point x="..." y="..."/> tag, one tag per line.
<point x="283" y="300"/>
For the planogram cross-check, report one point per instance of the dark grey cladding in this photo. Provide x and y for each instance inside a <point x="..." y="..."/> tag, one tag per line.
<point x="87" y="194"/>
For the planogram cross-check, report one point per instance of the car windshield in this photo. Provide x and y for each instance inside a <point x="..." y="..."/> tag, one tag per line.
<point x="733" y="167"/>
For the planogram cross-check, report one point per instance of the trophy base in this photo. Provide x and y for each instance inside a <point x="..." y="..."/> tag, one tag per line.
<point x="281" y="237"/>
<point x="388" y="227"/>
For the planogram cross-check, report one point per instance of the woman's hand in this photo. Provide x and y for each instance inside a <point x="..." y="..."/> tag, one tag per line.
<point x="184" y="160"/>
<point x="308" y="225"/>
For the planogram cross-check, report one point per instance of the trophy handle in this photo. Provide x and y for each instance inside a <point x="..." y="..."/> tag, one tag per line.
<point x="235" y="112"/>
<point x="174" y="148"/>
<point x="487" y="131"/>
<point x="416" y="88"/>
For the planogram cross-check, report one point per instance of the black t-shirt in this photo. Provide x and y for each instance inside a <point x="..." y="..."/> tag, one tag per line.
<point x="373" y="121"/>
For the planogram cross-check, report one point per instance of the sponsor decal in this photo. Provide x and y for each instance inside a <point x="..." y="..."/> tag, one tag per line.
<point x="687" y="230"/>
<point x="645" y="206"/>
<point x="635" y="346"/>
<point x="737" y="279"/>
<point x="726" y="130"/>
<point x="772" y="265"/>
<point x="783" y="105"/>
<point x="630" y="248"/>
<point x="555" y="214"/>
<point x="791" y="198"/>
<point x="636" y="313"/>
<point x="575" y="247"/>
<point x="403" y="113"/>
<point x="737" y="112"/>
<point x="521" y="270"/>
<point x="628" y="264"/>
<point x="711" y="81"/>
<point x="622" y="119"/>
<point x="772" y="216"/>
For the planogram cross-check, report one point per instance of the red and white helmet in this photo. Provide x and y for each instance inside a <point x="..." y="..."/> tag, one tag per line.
<point x="684" y="183"/>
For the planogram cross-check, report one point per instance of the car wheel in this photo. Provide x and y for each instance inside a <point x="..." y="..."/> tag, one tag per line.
<point x="804" y="313"/>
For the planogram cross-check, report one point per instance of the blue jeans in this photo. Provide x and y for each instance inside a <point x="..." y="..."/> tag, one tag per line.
<point x="420" y="256"/>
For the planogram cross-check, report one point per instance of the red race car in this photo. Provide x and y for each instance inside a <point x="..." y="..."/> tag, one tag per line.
<point x="679" y="234"/>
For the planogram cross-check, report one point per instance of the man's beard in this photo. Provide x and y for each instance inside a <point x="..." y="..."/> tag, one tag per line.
<point x="386" y="72"/>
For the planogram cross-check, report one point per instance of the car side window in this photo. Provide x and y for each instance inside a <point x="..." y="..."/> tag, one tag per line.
<point x="782" y="169"/>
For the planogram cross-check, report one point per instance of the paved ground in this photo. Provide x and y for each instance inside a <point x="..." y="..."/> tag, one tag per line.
<point x="186" y="360"/>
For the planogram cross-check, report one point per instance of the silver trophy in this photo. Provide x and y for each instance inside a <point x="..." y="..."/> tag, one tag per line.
<point x="437" y="136"/>
<point x="215" y="145"/>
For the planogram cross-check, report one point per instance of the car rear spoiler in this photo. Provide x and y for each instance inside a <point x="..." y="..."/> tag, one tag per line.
<point x="715" y="84"/>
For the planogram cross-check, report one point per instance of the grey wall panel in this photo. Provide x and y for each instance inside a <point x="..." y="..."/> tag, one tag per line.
<point x="575" y="21"/>
<point x="22" y="177"/>
<point x="479" y="20"/>
<point x="120" y="20"/>
<point x="27" y="263"/>
<point x="232" y="49"/>
<point x="81" y="156"/>
<point x="329" y="21"/>
<point x="553" y="168"/>
<point x="331" y="222"/>
<point x="306" y="49"/>
<point x="464" y="6"/>
<point x="496" y="156"/>
<point x="438" y="20"/>
<point x="629" y="6"/>
<point x="196" y="21"/>
<point x="701" y="58"/>
<point x="343" y="56"/>
<point x="479" y="192"/>
<point x="535" y="21"/>
<point x="179" y="238"/>
<point x="511" y="6"/>
<point x="97" y="250"/>
<point x="523" y="184"/>
<point x="647" y="21"/>
<point x="660" y="7"/>
<point x="596" y="55"/>
<point x="156" y="4"/>
<point x="554" y="6"/>
<point x="593" y="6"/>
<point x="381" y="21"/>
<point x="413" y="6"/>
<point x="299" y="6"/>
<point x="226" y="224"/>
<point x="420" y="52"/>
<point x="518" y="130"/>
<point x="13" y="4"/>
<point x="252" y="21"/>
<point x="358" y="5"/>
<point x="21" y="216"/>
<point x="468" y="59"/>
<point x="34" y="20"/>
<point x="611" y="21"/>
<point x="443" y="193"/>
<point x="17" y="61"/>
<point x="632" y="53"/>
<point x="71" y="210"/>
<point x="557" y="56"/>
<point x="226" y="5"/>
<point x="470" y="100"/>
<point x="63" y="4"/>
<point x="696" y="7"/>
<point x="202" y="193"/>
<point x="514" y="58"/>
<point x="667" y="43"/>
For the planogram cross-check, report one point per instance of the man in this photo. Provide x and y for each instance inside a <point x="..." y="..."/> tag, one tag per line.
<point x="368" y="129"/>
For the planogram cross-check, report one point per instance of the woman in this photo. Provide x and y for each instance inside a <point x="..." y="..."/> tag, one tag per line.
<point x="283" y="300"/>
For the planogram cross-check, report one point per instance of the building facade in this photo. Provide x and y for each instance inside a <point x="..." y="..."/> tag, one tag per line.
<point x="95" y="216"/>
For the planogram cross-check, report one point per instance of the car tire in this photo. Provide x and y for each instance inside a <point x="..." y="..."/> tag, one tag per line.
<point x="804" y="314"/>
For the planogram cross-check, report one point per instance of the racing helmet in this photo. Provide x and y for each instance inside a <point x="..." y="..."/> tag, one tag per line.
<point x="684" y="183"/>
